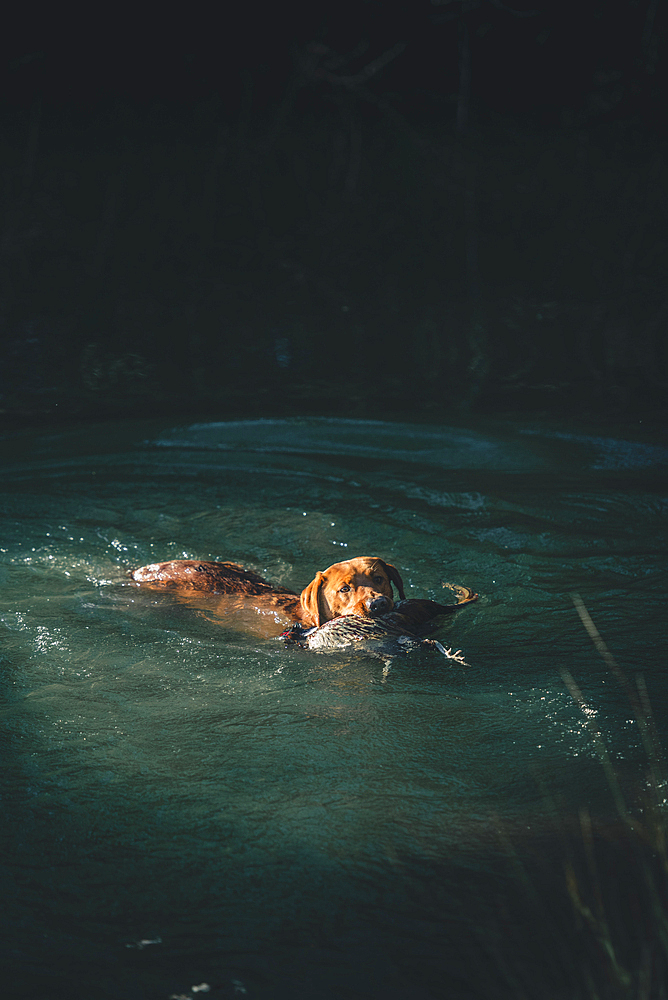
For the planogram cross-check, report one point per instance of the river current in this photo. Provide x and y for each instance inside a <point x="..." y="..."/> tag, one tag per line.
<point x="189" y="808"/>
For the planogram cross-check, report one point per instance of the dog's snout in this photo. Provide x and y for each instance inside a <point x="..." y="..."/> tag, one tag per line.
<point x="378" y="605"/>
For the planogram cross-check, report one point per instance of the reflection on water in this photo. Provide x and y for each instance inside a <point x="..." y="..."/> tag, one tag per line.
<point x="187" y="802"/>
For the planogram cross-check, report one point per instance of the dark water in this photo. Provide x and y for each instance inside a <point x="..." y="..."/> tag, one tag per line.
<point x="186" y="804"/>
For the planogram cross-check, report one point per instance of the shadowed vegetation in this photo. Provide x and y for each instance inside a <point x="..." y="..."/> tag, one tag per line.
<point x="331" y="258"/>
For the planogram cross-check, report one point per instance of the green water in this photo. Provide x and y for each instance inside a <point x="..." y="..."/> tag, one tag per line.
<point x="188" y="803"/>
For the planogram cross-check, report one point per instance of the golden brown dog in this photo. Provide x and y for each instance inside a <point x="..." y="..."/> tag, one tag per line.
<point x="361" y="586"/>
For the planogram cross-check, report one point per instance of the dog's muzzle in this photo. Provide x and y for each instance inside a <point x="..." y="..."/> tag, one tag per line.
<point x="378" y="605"/>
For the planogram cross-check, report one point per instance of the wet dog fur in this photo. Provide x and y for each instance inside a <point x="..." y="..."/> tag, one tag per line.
<point x="362" y="585"/>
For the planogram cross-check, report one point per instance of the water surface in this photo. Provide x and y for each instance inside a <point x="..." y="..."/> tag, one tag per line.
<point x="186" y="802"/>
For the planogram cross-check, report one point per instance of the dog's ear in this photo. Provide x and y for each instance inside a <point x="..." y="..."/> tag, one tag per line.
<point x="393" y="574"/>
<point x="310" y="599"/>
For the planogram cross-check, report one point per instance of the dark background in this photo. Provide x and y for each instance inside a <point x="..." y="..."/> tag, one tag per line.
<point x="360" y="209"/>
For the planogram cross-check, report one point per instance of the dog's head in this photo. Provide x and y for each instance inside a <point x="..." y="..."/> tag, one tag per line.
<point x="361" y="586"/>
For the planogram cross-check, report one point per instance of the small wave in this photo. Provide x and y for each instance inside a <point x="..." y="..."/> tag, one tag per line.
<point x="446" y="447"/>
<point x="612" y="454"/>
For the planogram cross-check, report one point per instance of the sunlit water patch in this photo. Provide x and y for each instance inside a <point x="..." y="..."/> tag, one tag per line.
<point x="188" y="802"/>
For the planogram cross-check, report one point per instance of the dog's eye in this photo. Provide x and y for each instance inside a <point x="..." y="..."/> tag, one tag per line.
<point x="344" y="589"/>
<point x="378" y="579"/>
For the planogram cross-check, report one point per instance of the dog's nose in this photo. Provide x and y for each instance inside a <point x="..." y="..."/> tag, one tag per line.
<point x="378" y="605"/>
